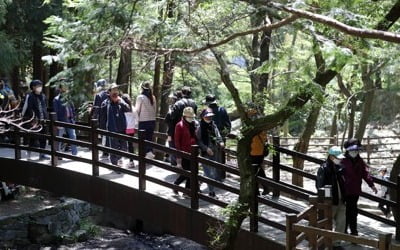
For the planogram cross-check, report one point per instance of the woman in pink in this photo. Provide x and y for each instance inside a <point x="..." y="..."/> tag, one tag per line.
<point x="185" y="137"/>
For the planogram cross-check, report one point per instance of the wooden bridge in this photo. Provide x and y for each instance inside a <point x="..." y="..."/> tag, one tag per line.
<point x="146" y="193"/>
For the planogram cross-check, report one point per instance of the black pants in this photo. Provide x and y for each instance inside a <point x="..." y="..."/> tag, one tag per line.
<point x="351" y="213"/>
<point x="39" y="141"/>
<point x="181" y="178"/>
<point x="258" y="160"/>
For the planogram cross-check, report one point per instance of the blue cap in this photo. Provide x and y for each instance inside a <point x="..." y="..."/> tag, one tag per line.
<point x="336" y="151"/>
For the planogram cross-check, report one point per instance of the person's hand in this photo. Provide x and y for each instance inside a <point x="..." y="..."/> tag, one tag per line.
<point x="169" y="138"/>
<point x="374" y="189"/>
<point x="222" y="145"/>
<point x="179" y="162"/>
<point x="210" y="152"/>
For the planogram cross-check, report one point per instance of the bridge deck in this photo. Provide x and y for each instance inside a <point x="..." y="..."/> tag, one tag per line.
<point x="367" y="227"/>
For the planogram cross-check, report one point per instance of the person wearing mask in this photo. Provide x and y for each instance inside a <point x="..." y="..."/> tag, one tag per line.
<point x="223" y="122"/>
<point x="112" y="118"/>
<point x="179" y="105"/>
<point x="35" y="106"/>
<point x="65" y="111"/>
<point x="209" y="140"/>
<point x="185" y="137"/>
<point x="355" y="170"/>
<point x="131" y="126"/>
<point x="146" y="111"/>
<point x="331" y="173"/>
<point x="101" y="95"/>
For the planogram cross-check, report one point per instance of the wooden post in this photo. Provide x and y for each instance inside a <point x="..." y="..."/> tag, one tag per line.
<point x="328" y="214"/>
<point x="384" y="241"/>
<point x="368" y="150"/>
<point x="194" y="180"/>
<point x="53" y="143"/>
<point x="142" y="163"/>
<point x="254" y="202"/>
<point x="276" y="160"/>
<point x="95" y="150"/>
<point x="397" y="237"/>
<point x="313" y="220"/>
<point x="17" y="144"/>
<point x="290" y="234"/>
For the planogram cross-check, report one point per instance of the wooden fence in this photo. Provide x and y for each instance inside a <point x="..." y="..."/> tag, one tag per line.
<point x="279" y="187"/>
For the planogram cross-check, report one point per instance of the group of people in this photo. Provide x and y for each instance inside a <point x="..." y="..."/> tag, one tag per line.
<point x="344" y="173"/>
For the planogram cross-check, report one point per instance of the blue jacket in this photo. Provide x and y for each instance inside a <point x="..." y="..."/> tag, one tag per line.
<point x="35" y="105"/>
<point x="112" y="116"/>
<point x="60" y="106"/>
<point x="98" y="100"/>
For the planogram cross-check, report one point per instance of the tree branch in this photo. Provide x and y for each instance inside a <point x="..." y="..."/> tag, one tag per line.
<point x="133" y="44"/>
<point x="358" y="32"/>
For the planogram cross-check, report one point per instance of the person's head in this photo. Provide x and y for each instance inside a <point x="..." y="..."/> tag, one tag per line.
<point x="127" y="99"/>
<point x="188" y="114"/>
<point x="145" y="86"/>
<point x="63" y="88"/>
<point x="353" y="147"/>
<point x="36" y="86"/>
<point x="382" y="171"/>
<point x="114" y="91"/>
<point x="207" y="115"/>
<point x="172" y="98"/>
<point x="335" y="154"/>
<point x="101" y="84"/>
<point x="186" y="91"/>
<point x="252" y="110"/>
<point x="210" y="100"/>
<point x="2" y="84"/>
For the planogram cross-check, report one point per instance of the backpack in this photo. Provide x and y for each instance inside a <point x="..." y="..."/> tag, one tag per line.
<point x="321" y="177"/>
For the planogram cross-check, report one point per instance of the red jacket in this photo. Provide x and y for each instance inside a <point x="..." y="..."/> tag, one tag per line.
<point x="183" y="138"/>
<point x="355" y="170"/>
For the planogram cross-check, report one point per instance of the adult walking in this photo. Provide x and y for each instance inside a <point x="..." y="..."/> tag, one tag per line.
<point x="331" y="173"/>
<point x="112" y="118"/>
<point x="209" y="139"/>
<point x="65" y="111"/>
<point x="146" y="111"/>
<point x="355" y="170"/>
<point x="185" y="137"/>
<point x="101" y="95"/>
<point x="223" y="122"/>
<point x="35" y="106"/>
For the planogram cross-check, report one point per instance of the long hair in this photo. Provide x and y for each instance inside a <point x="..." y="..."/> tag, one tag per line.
<point x="146" y="90"/>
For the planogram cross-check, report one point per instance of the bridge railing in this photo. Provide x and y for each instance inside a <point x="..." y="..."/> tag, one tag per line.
<point x="94" y="144"/>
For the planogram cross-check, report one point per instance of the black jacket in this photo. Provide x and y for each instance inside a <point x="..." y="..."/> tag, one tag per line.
<point x="332" y="175"/>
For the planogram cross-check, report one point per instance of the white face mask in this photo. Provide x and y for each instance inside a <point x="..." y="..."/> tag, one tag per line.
<point x="207" y="121"/>
<point x="38" y="90"/>
<point x="353" y="154"/>
<point x="189" y="119"/>
<point x="337" y="161"/>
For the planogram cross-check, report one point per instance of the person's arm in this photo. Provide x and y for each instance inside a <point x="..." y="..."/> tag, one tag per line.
<point x="138" y="105"/>
<point x="202" y="146"/>
<point x="178" y="144"/>
<point x="368" y="178"/>
<point x="56" y="108"/>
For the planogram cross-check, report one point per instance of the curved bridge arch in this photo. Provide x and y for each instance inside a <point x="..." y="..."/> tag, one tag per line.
<point x="170" y="216"/>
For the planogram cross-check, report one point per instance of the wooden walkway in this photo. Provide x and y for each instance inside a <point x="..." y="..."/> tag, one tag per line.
<point x="367" y="226"/>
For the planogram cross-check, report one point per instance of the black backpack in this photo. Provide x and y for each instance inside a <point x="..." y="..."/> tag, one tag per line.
<point x="321" y="176"/>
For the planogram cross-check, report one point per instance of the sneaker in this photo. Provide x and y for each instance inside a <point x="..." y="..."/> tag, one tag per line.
<point x="104" y="156"/>
<point x="150" y="155"/>
<point x="29" y="155"/>
<point x="120" y="163"/>
<point x="43" y="157"/>
<point x="131" y="164"/>
<point x="212" y="194"/>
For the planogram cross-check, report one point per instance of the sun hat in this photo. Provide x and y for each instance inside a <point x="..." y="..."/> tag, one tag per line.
<point x="145" y="85"/>
<point x="188" y="112"/>
<point x="207" y="113"/>
<point x="336" y="151"/>
<point x="210" y="99"/>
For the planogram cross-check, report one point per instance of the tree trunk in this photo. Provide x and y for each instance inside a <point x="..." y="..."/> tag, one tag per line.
<point x="352" y="113"/>
<point x="37" y="65"/>
<point x="393" y="194"/>
<point x="124" y="69"/>
<point x="239" y="211"/>
<point x="334" y="126"/>
<point x="367" y="104"/>
<point x="304" y="142"/>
